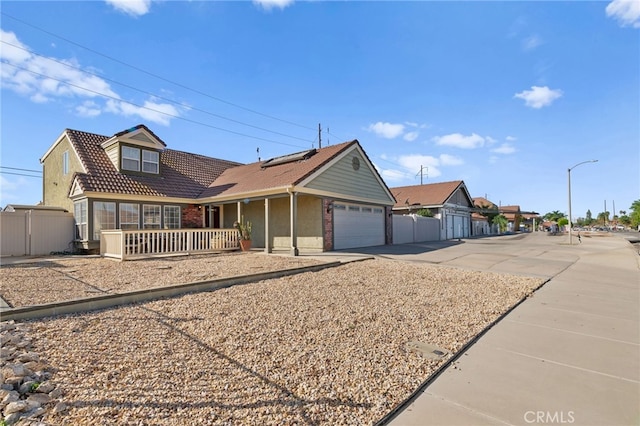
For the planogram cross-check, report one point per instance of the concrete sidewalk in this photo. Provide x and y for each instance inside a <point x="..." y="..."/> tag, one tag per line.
<point x="568" y="355"/>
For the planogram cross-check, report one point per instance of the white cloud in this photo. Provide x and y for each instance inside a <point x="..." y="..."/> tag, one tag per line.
<point x="411" y="136"/>
<point x="131" y="7"/>
<point x="450" y="160"/>
<point x="386" y="130"/>
<point x="270" y="4"/>
<point x="150" y="111"/>
<point x="505" y="148"/>
<point x="626" y="12"/>
<point x="390" y="175"/>
<point x="511" y="138"/>
<point x="88" y="109"/>
<point x="539" y="97"/>
<point x="460" y="141"/>
<point x="44" y="79"/>
<point x="531" y="42"/>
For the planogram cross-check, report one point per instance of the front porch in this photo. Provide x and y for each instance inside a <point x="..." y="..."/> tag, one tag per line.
<point x="137" y="244"/>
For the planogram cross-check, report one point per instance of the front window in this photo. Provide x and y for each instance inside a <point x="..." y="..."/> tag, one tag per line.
<point x="151" y="217"/>
<point x="172" y="217"/>
<point x="130" y="158"/>
<point x="104" y="217"/>
<point x="150" y="160"/>
<point x="80" y="216"/>
<point x="65" y="163"/>
<point x="129" y="216"/>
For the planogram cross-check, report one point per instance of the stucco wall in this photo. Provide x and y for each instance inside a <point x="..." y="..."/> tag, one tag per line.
<point x="56" y="185"/>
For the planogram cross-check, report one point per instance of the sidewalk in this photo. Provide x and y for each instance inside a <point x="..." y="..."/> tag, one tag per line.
<point x="568" y="355"/>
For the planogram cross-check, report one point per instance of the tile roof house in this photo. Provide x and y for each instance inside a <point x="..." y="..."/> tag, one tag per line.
<point x="315" y="200"/>
<point x="448" y="201"/>
<point x="480" y="218"/>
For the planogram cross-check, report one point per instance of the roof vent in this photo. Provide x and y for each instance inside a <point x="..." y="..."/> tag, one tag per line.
<point x="289" y="158"/>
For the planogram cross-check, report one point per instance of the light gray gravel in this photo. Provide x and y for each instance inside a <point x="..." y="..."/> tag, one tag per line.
<point x="325" y="347"/>
<point x="67" y="278"/>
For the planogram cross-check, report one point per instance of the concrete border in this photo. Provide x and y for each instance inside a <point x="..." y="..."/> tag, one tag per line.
<point x="136" y="296"/>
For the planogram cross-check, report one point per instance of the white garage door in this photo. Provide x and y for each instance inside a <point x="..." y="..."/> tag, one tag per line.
<point x="357" y="225"/>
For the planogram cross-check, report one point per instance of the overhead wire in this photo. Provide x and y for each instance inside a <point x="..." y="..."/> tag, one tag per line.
<point x="149" y="109"/>
<point x="156" y="75"/>
<point x="153" y="94"/>
<point x="19" y="174"/>
<point x="21" y="170"/>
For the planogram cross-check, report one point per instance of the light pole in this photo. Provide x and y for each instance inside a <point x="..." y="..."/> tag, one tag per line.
<point x="569" y="184"/>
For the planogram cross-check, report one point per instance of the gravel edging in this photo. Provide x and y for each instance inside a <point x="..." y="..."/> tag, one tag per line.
<point x="326" y="347"/>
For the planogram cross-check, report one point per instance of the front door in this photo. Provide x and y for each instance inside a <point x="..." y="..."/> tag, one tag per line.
<point x="212" y="216"/>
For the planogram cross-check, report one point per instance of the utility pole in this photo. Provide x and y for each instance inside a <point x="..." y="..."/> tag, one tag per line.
<point x="420" y="173"/>
<point x="319" y="136"/>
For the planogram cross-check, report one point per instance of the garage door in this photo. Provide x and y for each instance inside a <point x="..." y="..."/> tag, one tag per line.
<point x="357" y="225"/>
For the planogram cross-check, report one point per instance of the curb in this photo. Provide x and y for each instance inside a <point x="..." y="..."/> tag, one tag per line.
<point x="136" y="296"/>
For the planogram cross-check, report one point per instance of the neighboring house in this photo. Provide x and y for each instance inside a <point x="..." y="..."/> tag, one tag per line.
<point x="448" y="201"/>
<point x="315" y="200"/>
<point x="513" y="215"/>
<point x="480" y="218"/>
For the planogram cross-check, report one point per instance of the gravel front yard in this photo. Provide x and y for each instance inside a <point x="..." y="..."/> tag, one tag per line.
<point x="69" y="278"/>
<point x="327" y="347"/>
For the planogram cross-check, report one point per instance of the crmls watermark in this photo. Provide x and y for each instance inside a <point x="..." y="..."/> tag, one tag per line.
<point x="549" y="417"/>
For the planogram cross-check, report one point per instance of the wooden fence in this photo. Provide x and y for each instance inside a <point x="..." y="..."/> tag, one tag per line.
<point x="129" y="244"/>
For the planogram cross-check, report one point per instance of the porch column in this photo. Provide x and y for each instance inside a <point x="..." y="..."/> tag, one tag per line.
<point x="293" y="204"/>
<point x="267" y="241"/>
<point x="239" y="204"/>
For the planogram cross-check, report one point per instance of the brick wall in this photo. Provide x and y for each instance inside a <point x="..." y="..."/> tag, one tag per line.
<point x="327" y="224"/>
<point x="192" y="216"/>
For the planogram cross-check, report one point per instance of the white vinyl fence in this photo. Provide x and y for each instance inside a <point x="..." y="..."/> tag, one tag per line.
<point x="35" y="232"/>
<point x="414" y="229"/>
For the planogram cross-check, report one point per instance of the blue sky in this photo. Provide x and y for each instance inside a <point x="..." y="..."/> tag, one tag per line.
<point x="503" y="95"/>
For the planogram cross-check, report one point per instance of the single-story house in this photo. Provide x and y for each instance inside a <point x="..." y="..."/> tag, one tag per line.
<point x="480" y="218"/>
<point x="448" y="201"/>
<point x="315" y="200"/>
<point x="513" y="215"/>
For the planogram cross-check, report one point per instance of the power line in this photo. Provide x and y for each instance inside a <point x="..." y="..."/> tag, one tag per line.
<point x="19" y="174"/>
<point x="22" y="170"/>
<point x="150" y="109"/>
<point x="153" y="94"/>
<point x="155" y="75"/>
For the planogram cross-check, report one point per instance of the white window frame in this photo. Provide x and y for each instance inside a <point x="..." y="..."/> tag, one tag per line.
<point x="128" y="223"/>
<point x="154" y="211"/>
<point x="65" y="163"/>
<point x="172" y="221"/>
<point x="101" y="220"/>
<point x="150" y="161"/>
<point x="80" y="214"/>
<point x="127" y="156"/>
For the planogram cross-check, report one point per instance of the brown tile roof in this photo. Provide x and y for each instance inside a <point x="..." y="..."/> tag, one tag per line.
<point x="183" y="175"/>
<point x="255" y="177"/>
<point x="483" y="202"/>
<point x="140" y="126"/>
<point x="433" y="194"/>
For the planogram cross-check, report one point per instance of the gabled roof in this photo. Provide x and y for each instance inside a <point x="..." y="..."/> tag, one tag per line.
<point x="484" y="203"/>
<point x="183" y="175"/>
<point x="256" y="177"/>
<point x="429" y="195"/>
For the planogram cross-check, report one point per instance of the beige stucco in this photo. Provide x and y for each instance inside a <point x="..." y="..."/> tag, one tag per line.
<point x="55" y="184"/>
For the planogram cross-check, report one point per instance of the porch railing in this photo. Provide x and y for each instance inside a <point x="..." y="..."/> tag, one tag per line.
<point x="127" y="244"/>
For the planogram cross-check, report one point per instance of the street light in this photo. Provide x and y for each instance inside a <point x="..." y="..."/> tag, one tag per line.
<point x="569" y="182"/>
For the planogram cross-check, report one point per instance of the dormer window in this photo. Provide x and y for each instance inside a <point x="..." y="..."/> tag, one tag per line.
<point x="132" y="160"/>
<point x="150" y="161"/>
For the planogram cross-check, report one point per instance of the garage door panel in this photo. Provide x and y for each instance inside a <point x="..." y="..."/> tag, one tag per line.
<point x="358" y="226"/>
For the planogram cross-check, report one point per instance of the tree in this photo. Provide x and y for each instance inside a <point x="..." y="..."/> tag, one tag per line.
<point x="424" y="213"/>
<point x="553" y="216"/>
<point x="603" y="217"/>
<point x="563" y="221"/>
<point x="589" y="219"/>
<point x="501" y="222"/>
<point x="490" y="211"/>
<point x="634" y="216"/>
